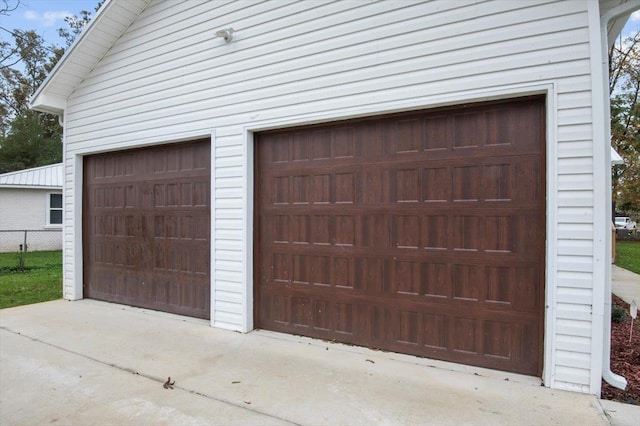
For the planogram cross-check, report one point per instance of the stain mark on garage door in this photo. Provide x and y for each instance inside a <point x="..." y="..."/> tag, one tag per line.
<point x="146" y="228"/>
<point x="420" y="233"/>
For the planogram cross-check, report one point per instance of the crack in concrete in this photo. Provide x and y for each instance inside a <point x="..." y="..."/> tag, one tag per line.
<point x="150" y="377"/>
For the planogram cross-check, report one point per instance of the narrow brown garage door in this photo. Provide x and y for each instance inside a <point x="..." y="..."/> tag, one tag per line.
<point x="419" y="233"/>
<point x="146" y="220"/>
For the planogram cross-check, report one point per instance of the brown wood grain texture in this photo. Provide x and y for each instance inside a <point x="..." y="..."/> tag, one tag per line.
<point x="420" y="233"/>
<point x="146" y="228"/>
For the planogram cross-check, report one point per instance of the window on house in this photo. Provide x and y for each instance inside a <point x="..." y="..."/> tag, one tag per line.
<point x="54" y="215"/>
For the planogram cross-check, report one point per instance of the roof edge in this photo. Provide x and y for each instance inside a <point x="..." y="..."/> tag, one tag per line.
<point x="38" y="99"/>
<point x="52" y="165"/>
<point x="616" y="17"/>
<point x="50" y="176"/>
<point x="48" y="103"/>
<point x="56" y="103"/>
<point x="43" y="187"/>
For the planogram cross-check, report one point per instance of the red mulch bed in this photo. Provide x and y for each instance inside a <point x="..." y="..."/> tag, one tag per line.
<point x="625" y="358"/>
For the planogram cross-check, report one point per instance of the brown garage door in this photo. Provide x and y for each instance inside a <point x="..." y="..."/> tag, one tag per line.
<point x="146" y="221"/>
<point x="419" y="233"/>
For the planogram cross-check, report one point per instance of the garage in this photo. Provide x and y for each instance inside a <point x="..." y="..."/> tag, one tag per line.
<point x="421" y="233"/>
<point x="146" y="228"/>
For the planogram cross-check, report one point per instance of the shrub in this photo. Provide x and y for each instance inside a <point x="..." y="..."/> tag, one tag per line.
<point x="618" y="314"/>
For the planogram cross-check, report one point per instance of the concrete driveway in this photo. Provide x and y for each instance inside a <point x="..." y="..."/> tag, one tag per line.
<point x="90" y="362"/>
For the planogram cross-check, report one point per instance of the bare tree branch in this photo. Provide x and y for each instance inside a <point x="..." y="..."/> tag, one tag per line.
<point x="6" y="9"/>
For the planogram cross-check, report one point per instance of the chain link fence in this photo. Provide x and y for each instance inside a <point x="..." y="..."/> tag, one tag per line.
<point x="25" y="240"/>
<point x="628" y="235"/>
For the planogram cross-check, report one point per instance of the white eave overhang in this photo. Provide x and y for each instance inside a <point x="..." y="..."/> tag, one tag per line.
<point x="48" y="102"/>
<point x="108" y="25"/>
<point x="614" y="27"/>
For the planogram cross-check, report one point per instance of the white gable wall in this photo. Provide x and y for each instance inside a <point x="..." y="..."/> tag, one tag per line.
<point x="169" y="79"/>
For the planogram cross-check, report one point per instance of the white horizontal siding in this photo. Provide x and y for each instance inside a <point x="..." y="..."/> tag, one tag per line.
<point x="574" y="279"/>
<point x="571" y="343"/>
<point x="168" y="77"/>
<point x="574" y="115"/>
<point x="575" y="263"/>
<point x="234" y="223"/>
<point x="184" y="109"/>
<point x="575" y="247"/>
<point x="575" y="165"/>
<point x="573" y="327"/>
<point x="573" y="182"/>
<point x="233" y="255"/>
<point x="574" y="99"/>
<point x="568" y="135"/>
<point x="229" y="265"/>
<point x="575" y="215"/>
<point x="575" y="198"/>
<point x="233" y="88"/>
<point x="571" y="310"/>
<point x="570" y="378"/>
<point x="574" y="359"/>
<point x="572" y="295"/>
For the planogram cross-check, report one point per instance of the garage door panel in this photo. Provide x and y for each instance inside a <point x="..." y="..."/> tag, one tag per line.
<point x="173" y="257"/>
<point x="455" y="291"/>
<point x="421" y="233"/>
<point x="497" y="180"/>
<point x="147" y="228"/>
<point x="191" y="226"/>
<point x="498" y="232"/>
<point x="317" y="317"/>
<point x="489" y="258"/>
<point x="408" y="329"/>
<point x="117" y="285"/>
<point x="163" y="292"/>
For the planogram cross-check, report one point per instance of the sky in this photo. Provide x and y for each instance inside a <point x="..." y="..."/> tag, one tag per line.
<point x="633" y="24"/>
<point x="43" y="16"/>
<point x="46" y="16"/>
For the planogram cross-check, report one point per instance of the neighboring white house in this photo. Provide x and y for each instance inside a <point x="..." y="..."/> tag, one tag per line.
<point x="430" y="178"/>
<point x="31" y="200"/>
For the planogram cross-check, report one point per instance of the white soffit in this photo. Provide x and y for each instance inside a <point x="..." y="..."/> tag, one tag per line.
<point x="107" y="26"/>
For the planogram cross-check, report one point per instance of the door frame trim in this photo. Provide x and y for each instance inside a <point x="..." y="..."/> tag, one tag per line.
<point x="547" y="88"/>
<point x="77" y="233"/>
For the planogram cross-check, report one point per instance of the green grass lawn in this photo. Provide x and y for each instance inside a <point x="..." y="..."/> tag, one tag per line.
<point x="628" y="255"/>
<point x="40" y="281"/>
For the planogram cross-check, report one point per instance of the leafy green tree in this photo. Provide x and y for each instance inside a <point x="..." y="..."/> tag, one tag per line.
<point x="31" y="142"/>
<point x="29" y="138"/>
<point x="624" y="88"/>
<point x="76" y="24"/>
<point x="20" y="127"/>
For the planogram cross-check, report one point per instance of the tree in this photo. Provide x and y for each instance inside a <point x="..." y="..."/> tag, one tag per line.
<point x="31" y="142"/>
<point x="22" y="129"/>
<point x="624" y="89"/>
<point x="76" y="24"/>
<point x="29" y="138"/>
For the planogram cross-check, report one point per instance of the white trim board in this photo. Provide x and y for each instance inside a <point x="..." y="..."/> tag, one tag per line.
<point x="212" y="225"/>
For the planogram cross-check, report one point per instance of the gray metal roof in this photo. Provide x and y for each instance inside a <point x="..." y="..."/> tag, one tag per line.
<point x="50" y="176"/>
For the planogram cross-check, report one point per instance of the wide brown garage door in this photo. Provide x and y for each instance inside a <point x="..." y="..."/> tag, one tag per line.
<point x="146" y="227"/>
<point x="419" y="233"/>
